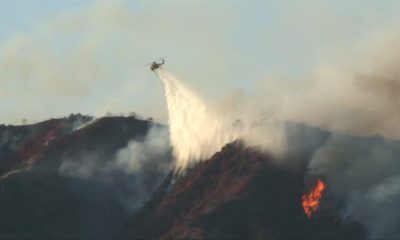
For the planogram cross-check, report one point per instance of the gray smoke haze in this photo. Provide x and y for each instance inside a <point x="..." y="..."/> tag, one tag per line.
<point x="356" y="99"/>
<point x="355" y="94"/>
<point x="137" y="169"/>
<point x="90" y="60"/>
<point x="353" y="88"/>
<point x="359" y="97"/>
<point x="364" y="174"/>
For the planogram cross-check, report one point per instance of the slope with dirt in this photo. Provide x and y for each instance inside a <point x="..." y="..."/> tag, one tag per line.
<point x="37" y="200"/>
<point x="238" y="193"/>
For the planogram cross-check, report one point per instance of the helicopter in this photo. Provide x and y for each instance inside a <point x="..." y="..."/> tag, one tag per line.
<point x="156" y="64"/>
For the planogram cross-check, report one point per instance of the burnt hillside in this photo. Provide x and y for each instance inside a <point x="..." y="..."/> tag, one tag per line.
<point x="21" y="146"/>
<point x="238" y="193"/>
<point x="40" y="200"/>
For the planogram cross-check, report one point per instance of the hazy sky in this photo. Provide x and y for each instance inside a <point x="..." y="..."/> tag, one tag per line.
<point x="59" y="57"/>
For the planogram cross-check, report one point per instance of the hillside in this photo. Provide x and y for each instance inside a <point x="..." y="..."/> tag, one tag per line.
<point x="65" y="180"/>
<point x="21" y="146"/>
<point x="238" y="193"/>
<point x="44" y="192"/>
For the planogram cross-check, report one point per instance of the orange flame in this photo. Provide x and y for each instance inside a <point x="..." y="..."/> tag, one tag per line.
<point x="311" y="201"/>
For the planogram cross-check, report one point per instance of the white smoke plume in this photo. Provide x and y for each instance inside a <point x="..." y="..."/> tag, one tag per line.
<point x="139" y="156"/>
<point x="136" y="170"/>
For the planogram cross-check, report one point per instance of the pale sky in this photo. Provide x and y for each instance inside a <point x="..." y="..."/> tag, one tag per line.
<point x="59" y="57"/>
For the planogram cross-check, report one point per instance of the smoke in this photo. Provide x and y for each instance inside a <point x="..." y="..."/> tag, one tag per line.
<point x="357" y="93"/>
<point x="356" y="97"/>
<point x="199" y="129"/>
<point x="354" y="91"/>
<point x="90" y="59"/>
<point x="141" y="156"/>
<point x="147" y="162"/>
<point x="85" y="166"/>
<point x="82" y="122"/>
<point x="353" y="94"/>
<point x="135" y="172"/>
<point x="363" y="175"/>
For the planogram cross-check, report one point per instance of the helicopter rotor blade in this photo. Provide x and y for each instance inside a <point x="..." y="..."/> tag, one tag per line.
<point x="160" y="58"/>
<point x="148" y="64"/>
<point x="156" y="60"/>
